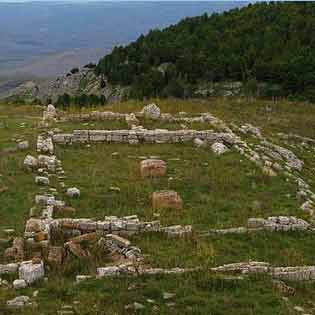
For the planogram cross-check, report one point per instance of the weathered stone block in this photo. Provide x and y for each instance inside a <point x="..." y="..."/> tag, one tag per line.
<point x="31" y="272"/>
<point x="55" y="255"/>
<point x="152" y="168"/>
<point x="166" y="200"/>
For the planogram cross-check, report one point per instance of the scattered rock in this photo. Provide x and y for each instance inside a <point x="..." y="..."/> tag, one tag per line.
<point x="268" y="171"/>
<point x="114" y="189"/>
<point x="282" y="287"/>
<point x="19" y="284"/>
<point x="151" y="111"/>
<point x="219" y="148"/>
<point x="308" y="206"/>
<point x="73" y="192"/>
<point x="138" y="306"/>
<point x="199" y="143"/>
<point x="30" y="162"/>
<point x="19" y="301"/>
<point x="31" y="272"/>
<point x="168" y="296"/>
<point x="16" y="251"/>
<point x="42" y="180"/>
<point x="50" y="113"/>
<point x="76" y="249"/>
<point x="23" y="145"/>
<point x="131" y="120"/>
<point x="299" y="309"/>
<point x="55" y="255"/>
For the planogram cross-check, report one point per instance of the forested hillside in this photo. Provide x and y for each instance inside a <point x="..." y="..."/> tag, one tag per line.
<point x="272" y="43"/>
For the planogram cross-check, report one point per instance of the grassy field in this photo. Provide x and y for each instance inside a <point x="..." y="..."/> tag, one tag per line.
<point x="217" y="192"/>
<point x="202" y="179"/>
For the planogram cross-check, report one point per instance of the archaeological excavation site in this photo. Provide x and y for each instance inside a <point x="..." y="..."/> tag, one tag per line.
<point x="152" y="212"/>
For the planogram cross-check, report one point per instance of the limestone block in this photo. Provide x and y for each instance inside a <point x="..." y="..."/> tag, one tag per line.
<point x="219" y="148"/>
<point x="152" y="168"/>
<point x="31" y="272"/>
<point x="30" y="162"/>
<point x="166" y="199"/>
<point x="151" y="111"/>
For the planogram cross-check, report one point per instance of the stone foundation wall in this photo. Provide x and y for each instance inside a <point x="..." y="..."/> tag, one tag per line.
<point x="143" y="135"/>
<point x="298" y="273"/>
<point x="164" y="117"/>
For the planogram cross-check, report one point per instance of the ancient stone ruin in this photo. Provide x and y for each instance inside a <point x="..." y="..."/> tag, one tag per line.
<point x="43" y="231"/>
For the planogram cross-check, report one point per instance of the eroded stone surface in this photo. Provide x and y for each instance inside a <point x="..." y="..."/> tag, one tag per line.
<point x="152" y="168"/>
<point x="31" y="272"/>
<point x="167" y="199"/>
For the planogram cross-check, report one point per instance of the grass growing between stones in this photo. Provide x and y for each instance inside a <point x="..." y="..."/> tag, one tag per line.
<point x="17" y="199"/>
<point x="196" y="293"/>
<point x="271" y="116"/>
<point x="217" y="191"/>
<point x="69" y="126"/>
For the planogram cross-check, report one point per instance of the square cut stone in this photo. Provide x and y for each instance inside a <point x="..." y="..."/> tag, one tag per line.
<point x="167" y="199"/>
<point x="152" y="168"/>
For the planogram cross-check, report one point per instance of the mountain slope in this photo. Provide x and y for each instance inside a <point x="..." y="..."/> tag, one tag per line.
<point x="273" y="43"/>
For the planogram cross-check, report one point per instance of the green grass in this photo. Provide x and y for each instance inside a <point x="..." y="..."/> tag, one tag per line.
<point x="216" y="191"/>
<point x="284" y="116"/>
<point x="280" y="249"/>
<point x="196" y="293"/>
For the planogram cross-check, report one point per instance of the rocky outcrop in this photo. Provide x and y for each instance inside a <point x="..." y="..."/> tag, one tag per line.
<point x="82" y="82"/>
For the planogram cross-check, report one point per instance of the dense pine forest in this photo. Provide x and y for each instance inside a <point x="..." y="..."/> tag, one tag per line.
<point x="271" y="43"/>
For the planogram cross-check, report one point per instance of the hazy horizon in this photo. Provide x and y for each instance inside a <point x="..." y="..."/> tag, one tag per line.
<point x="48" y="40"/>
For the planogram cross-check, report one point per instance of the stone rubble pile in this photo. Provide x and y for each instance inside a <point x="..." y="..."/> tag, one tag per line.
<point x="219" y="148"/>
<point x="19" y="301"/>
<point x="28" y="271"/>
<point x="177" y="230"/>
<point x="271" y="224"/>
<point x="16" y="251"/>
<point x="274" y="159"/>
<point x="118" y="245"/>
<point x="50" y="113"/>
<point x="114" y="225"/>
<point x="151" y="111"/>
<point x="132" y="269"/>
<point x="31" y="272"/>
<point x="45" y="144"/>
<point x="280" y="223"/>
<point x="298" y="273"/>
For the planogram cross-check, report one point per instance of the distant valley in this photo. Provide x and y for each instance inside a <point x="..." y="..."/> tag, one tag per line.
<point x="47" y="39"/>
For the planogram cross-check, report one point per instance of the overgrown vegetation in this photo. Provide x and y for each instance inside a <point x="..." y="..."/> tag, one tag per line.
<point x="264" y="42"/>
<point x="83" y="100"/>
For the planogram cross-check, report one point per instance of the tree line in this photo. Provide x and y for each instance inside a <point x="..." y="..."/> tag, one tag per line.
<point x="265" y="42"/>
